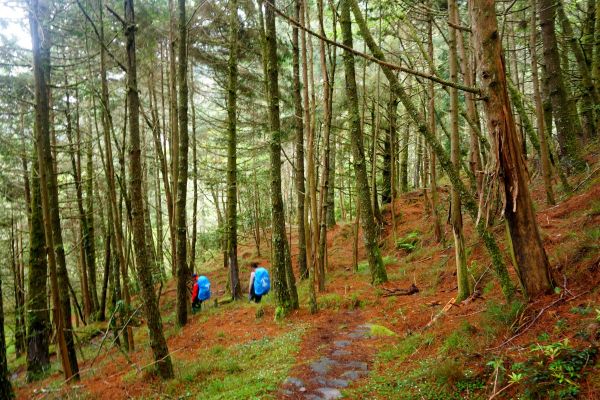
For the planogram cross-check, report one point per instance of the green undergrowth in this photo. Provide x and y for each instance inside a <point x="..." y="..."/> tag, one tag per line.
<point x="426" y="365"/>
<point x="244" y="371"/>
<point x="433" y="377"/>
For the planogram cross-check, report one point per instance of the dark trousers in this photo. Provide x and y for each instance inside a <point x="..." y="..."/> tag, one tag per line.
<point x="196" y="306"/>
<point x="255" y="297"/>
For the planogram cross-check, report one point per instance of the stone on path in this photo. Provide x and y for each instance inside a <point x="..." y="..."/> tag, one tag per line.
<point x="353" y="374"/>
<point x="290" y="380"/>
<point x="328" y="393"/>
<point x="323" y="365"/>
<point x="340" y="353"/>
<point x="341" y="343"/>
<point x="334" y="382"/>
<point x="361" y="365"/>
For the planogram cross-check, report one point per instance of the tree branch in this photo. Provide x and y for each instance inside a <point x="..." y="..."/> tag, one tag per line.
<point x="396" y="67"/>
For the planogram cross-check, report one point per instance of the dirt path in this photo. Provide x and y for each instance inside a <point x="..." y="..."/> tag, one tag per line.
<point x="335" y="354"/>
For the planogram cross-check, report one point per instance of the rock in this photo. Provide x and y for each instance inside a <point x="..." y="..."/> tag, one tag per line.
<point x="341" y="343"/>
<point x="329" y="393"/>
<point x="290" y="380"/>
<point x="359" y="365"/>
<point x="323" y="365"/>
<point x="335" y="382"/>
<point x="313" y="397"/>
<point x="353" y="374"/>
<point x="286" y="392"/>
<point x="340" y="353"/>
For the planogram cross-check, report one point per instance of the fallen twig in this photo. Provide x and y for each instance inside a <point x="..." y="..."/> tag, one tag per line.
<point x="438" y="315"/>
<point x="401" y="292"/>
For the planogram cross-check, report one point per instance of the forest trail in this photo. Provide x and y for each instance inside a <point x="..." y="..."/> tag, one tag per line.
<point x="336" y="353"/>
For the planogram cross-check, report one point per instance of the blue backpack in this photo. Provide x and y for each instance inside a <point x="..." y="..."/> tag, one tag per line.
<point x="262" y="282"/>
<point x="203" y="288"/>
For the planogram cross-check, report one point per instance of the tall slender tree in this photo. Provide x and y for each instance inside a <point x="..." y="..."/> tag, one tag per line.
<point x="182" y="112"/>
<point x="6" y="390"/>
<point x="299" y="131"/>
<point x="157" y="339"/>
<point x="232" y="191"/>
<point x="378" y="273"/>
<point x="280" y="260"/>
<point x="462" y="275"/>
<point x="41" y="41"/>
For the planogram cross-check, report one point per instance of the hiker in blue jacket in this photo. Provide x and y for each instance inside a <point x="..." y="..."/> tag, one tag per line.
<point x="260" y="283"/>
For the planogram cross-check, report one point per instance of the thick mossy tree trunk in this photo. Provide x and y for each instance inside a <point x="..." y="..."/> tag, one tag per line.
<point x="148" y="297"/>
<point x="40" y="39"/>
<point x="564" y="111"/>
<point x="234" y="279"/>
<point x="445" y="162"/>
<point x="299" y="131"/>
<point x="378" y="273"/>
<point x="279" y="260"/>
<point x="533" y="266"/>
<point x="6" y="390"/>
<point x="180" y="209"/>
<point x="38" y="318"/>
<point x="462" y="275"/>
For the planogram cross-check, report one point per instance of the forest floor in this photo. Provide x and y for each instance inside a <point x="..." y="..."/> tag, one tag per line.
<point x="367" y="342"/>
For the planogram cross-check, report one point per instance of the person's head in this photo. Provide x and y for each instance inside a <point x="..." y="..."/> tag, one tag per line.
<point x="194" y="276"/>
<point x="253" y="265"/>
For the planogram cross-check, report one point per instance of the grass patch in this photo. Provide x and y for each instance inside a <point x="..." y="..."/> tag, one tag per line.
<point x="245" y="371"/>
<point x="380" y="330"/>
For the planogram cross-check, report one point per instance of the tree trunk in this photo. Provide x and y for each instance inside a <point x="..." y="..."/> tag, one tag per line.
<point x="437" y="227"/>
<point x="18" y="290"/>
<point x="327" y="118"/>
<point x="279" y="261"/>
<point x="475" y="164"/>
<point x="38" y="318"/>
<point x="90" y="238"/>
<point x="48" y="188"/>
<point x="462" y="275"/>
<point x="590" y="95"/>
<point x="107" y="272"/>
<point x="182" y="179"/>
<point x="532" y="263"/>
<point x="236" y="287"/>
<point x="378" y="273"/>
<point x="404" y="159"/>
<point x="195" y="172"/>
<point x="567" y="122"/>
<point x="388" y="148"/>
<point x="174" y="138"/>
<point x="157" y="339"/>
<point x="299" y="131"/>
<point x="6" y="390"/>
<point x="83" y="224"/>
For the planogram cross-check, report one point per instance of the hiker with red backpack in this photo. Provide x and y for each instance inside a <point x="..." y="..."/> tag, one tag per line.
<point x="200" y="291"/>
<point x="260" y="283"/>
